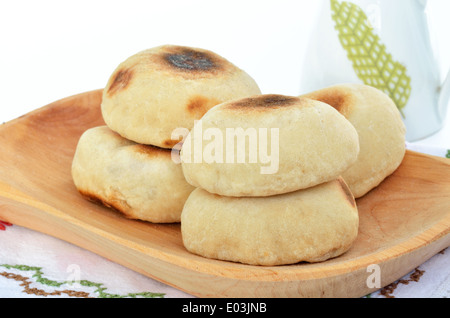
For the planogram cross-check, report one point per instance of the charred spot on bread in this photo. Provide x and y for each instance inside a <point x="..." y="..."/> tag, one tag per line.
<point x="190" y="60"/>
<point x="120" y="80"/>
<point x="265" y="102"/>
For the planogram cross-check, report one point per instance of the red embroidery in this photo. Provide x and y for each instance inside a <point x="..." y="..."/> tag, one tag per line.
<point x="3" y="225"/>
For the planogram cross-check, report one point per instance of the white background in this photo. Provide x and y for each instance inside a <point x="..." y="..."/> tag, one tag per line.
<point x="54" y="49"/>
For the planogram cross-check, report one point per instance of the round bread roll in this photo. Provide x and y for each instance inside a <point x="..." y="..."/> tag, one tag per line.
<point x="382" y="133"/>
<point x="311" y="225"/>
<point x="142" y="182"/>
<point x="268" y="145"/>
<point x="158" y="90"/>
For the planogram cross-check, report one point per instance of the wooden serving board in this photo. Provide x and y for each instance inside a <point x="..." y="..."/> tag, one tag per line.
<point x="403" y="223"/>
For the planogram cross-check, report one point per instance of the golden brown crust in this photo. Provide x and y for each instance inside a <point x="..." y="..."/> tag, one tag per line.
<point x="198" y="105"/>
<point x="151" y="151"/>
<point x="111" y="203"/>
<point x="338" y="98"/>
<point x="170" y="143"/>
<point x="346" y="190"/>
<point x="120" y="80"/>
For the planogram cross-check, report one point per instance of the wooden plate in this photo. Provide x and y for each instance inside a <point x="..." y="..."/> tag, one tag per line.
<point x="403" y="223"/>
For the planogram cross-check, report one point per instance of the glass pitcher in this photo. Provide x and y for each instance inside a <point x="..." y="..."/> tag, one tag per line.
<point x="385" y="44"/>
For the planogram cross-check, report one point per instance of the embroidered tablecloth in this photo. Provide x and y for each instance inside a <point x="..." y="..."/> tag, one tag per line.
<point x="33" y="264"/>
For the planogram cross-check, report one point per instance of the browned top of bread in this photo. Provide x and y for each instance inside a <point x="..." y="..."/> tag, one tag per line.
<point x="340" y="97"/>
<point x="192" y="63"/>
<point x="186" y="59"/>
<point x="155" y="91"/>
<point x="266" y="102"/>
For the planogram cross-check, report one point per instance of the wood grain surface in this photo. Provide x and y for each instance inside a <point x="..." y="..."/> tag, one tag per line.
<point x="403" y="223"/>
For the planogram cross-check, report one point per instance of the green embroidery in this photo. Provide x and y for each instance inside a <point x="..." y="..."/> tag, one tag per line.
<point x="100" y="290"/>
<point x="371" y="62"/>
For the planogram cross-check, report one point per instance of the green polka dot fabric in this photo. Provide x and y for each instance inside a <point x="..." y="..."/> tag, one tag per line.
<point x="369" y="56"/>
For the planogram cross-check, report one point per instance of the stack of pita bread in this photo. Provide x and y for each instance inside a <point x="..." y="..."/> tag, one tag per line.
<point x="326" y="149"/>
